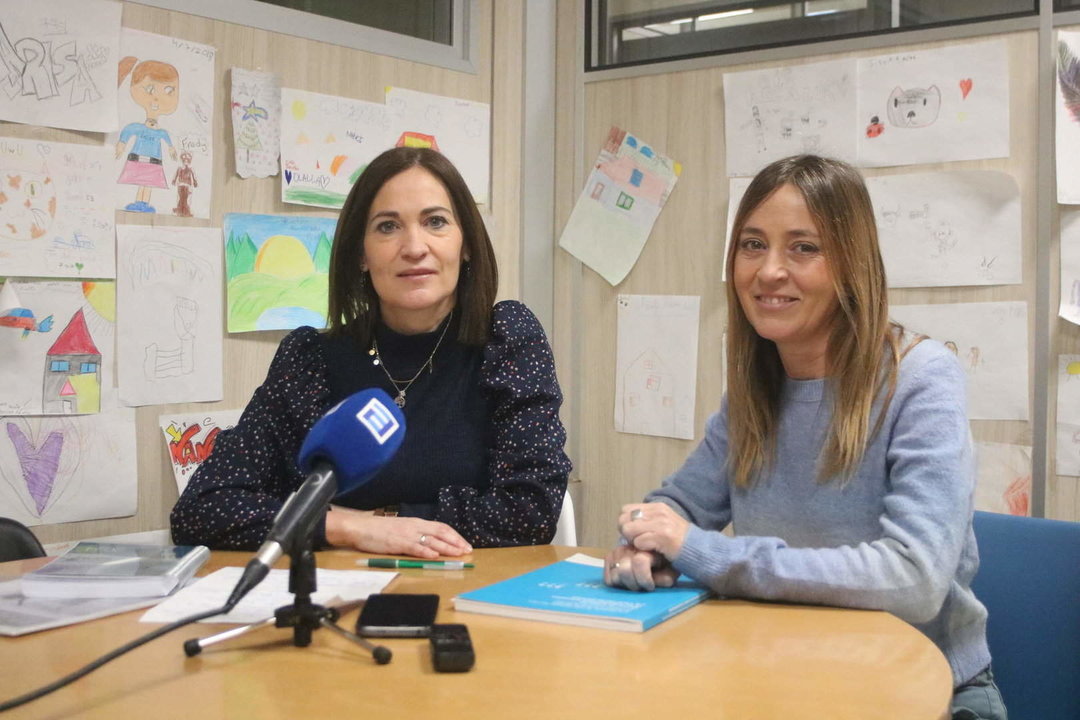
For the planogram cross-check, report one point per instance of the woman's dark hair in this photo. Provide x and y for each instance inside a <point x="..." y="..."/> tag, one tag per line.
<point x="354" y="305"/>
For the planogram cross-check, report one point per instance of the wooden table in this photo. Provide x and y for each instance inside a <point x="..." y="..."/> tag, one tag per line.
<point x="722" y="659"/>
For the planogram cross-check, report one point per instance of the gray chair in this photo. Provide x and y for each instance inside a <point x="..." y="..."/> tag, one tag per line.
<point x="17" y="542"/>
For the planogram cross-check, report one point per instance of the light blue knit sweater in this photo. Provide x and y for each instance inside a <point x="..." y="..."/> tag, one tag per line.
<point x="896" y="537"/>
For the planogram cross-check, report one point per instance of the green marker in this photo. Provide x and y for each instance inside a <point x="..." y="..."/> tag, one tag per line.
<point x="394" y="563"/>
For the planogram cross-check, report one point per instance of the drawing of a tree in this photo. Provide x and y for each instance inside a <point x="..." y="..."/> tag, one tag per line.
<point x="322" y="254"/>
<point x="240" y="255"/>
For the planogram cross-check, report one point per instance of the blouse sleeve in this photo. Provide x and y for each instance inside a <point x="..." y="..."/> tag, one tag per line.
<point x="231" y="500"/>
<point x="527" y="467"/>
<point x="925" y="522"/>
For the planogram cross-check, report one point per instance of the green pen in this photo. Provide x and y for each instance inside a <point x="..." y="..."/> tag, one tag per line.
<point x="421" y="564"/>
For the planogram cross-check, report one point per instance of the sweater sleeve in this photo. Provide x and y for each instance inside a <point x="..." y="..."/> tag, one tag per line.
<point x="232" y="499"/>
<point x="908" y="569"/>
<point x="527" y="467"/>
<point x="699" y="490"/>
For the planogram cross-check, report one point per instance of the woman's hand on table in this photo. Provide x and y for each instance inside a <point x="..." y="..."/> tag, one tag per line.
<point x="363" y="530"/>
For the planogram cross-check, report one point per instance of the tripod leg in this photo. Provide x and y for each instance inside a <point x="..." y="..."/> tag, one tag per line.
<point x="194" y="646"/>
<point x="380" y="653"/>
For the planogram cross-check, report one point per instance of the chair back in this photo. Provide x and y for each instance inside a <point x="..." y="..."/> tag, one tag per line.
<point x="1029" y="580"/>
<point x="17" y="542"/>
<point x="566" y="527"/>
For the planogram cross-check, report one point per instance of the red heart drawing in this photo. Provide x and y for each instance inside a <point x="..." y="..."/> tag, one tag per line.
<point x="965" y="87"/>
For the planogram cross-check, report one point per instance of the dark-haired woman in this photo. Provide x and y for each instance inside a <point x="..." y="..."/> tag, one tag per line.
<point x="413" y="280"/>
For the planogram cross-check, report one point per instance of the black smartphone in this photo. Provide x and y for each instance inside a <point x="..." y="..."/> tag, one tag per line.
<point x="451" y="648"/>
<point x="397" y="615"/>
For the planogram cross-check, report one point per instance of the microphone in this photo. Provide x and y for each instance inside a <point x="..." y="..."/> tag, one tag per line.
<point x="343" y="450"/>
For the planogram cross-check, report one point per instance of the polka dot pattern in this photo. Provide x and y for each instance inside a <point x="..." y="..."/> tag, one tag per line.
<point x="231" y="501"/>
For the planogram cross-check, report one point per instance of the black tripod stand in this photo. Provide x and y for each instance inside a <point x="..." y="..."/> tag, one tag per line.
<point x="303" y="616"/>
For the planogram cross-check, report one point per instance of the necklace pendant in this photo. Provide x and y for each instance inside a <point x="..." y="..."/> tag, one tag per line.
<point x="400" y="399"/>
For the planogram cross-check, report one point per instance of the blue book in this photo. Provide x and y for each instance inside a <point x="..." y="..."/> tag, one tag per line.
<point x="573" y="592"/>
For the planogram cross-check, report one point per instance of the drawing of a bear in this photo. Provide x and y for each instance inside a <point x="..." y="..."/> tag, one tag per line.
<point x="914" y="108"/>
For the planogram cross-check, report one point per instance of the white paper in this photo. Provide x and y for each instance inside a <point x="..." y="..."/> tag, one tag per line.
<point x="1069" y="249"/>
<point x="178" y="180"/>
<point x="619" y="205"/>
<point x="1003" y="484"/>
<point x="1067" y="449"/>
<point x="68" y="468"/>
<point x="59" y="358"/>
<point x="58" y="63"/>
<point x="944" y="229"/>
<point x="1068" y="389"/>
<point x="169" y="288"/>
<point x="56" y="210"/>
<point x="334" y="587"/>
<point x="656" y="365"/>
<point x="459" y="129"/>
<point x="791" y="110"/>
<point x="9" y="300"/>
<point x="256" y="122"/>
<point x="326" y="142"/>
<point x="190" y="437"/>
<point x="937" y="105"/>
<point x="1067" y="117"/>
<point x="991" y="342"/>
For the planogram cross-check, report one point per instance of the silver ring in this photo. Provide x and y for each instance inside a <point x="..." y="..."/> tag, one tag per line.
<point x="423" y="539"/>
<point x="613" y="566"/>
<point x="636" y="514"/>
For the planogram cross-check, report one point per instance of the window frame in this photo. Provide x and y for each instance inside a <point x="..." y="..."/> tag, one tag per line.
<point x="883" y="37"/>
<point x="458" y="55"/>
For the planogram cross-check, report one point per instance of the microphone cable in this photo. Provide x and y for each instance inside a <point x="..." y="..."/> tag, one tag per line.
<point x="92" y="666"/>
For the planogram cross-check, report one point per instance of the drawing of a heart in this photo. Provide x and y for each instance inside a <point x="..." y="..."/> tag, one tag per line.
<point x="965" y="87"/>
<point x="288" y="176"/>
<point x="39" y="464"/>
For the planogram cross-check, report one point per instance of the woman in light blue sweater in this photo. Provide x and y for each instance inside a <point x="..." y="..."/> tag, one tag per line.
<point x="841" y="455"/>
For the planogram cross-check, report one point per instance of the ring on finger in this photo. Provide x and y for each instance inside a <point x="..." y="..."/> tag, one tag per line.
<point x="613" y="566"/>
<point x="423" y="539"/>
<point x="636" y="514"/>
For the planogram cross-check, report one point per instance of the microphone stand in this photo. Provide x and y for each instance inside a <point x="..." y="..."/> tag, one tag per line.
<point x="303" y="616"/>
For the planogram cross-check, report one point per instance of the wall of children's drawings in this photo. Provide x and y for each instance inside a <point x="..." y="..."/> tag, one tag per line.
<point x="945" y="133"/>
<point x="162" y="171"/>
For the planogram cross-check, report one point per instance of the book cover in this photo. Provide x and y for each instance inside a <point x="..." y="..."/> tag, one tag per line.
<point x="20" y="615"/>
<point x="573" y="592"/>
<point x="97" y="569"/>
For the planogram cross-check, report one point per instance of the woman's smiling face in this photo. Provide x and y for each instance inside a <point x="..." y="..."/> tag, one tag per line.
<point x="784" y="282"/>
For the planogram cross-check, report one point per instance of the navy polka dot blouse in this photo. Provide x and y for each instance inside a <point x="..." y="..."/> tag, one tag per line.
<point x="483" y="449"/>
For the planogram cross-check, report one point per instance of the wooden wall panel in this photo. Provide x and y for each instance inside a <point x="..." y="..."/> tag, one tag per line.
<point x="681" y="114"/>
<point x="324" y="68"/>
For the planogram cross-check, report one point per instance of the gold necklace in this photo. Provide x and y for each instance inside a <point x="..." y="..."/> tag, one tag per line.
<point x="402" y="385"/>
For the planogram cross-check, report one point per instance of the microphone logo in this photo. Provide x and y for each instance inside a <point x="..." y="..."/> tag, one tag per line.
<point x="379" y="421"/>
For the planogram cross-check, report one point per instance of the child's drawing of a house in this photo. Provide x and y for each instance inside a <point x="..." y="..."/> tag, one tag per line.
<point x="72" y="371"/>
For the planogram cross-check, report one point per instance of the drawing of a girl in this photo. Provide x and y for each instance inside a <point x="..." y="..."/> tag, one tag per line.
<point x="155" y="87"/>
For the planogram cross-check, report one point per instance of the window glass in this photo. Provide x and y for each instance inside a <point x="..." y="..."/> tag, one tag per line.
<point x="59" y="366"/>
<point x="425" y="19"/>
<point x="630" y="32"/>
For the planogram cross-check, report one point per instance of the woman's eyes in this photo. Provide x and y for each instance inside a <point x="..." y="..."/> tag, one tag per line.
<point x="751" y="244"/>
<point x="799" y="248"/>
<point x="435" y="222"/>
<point x="805" y="248"/>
